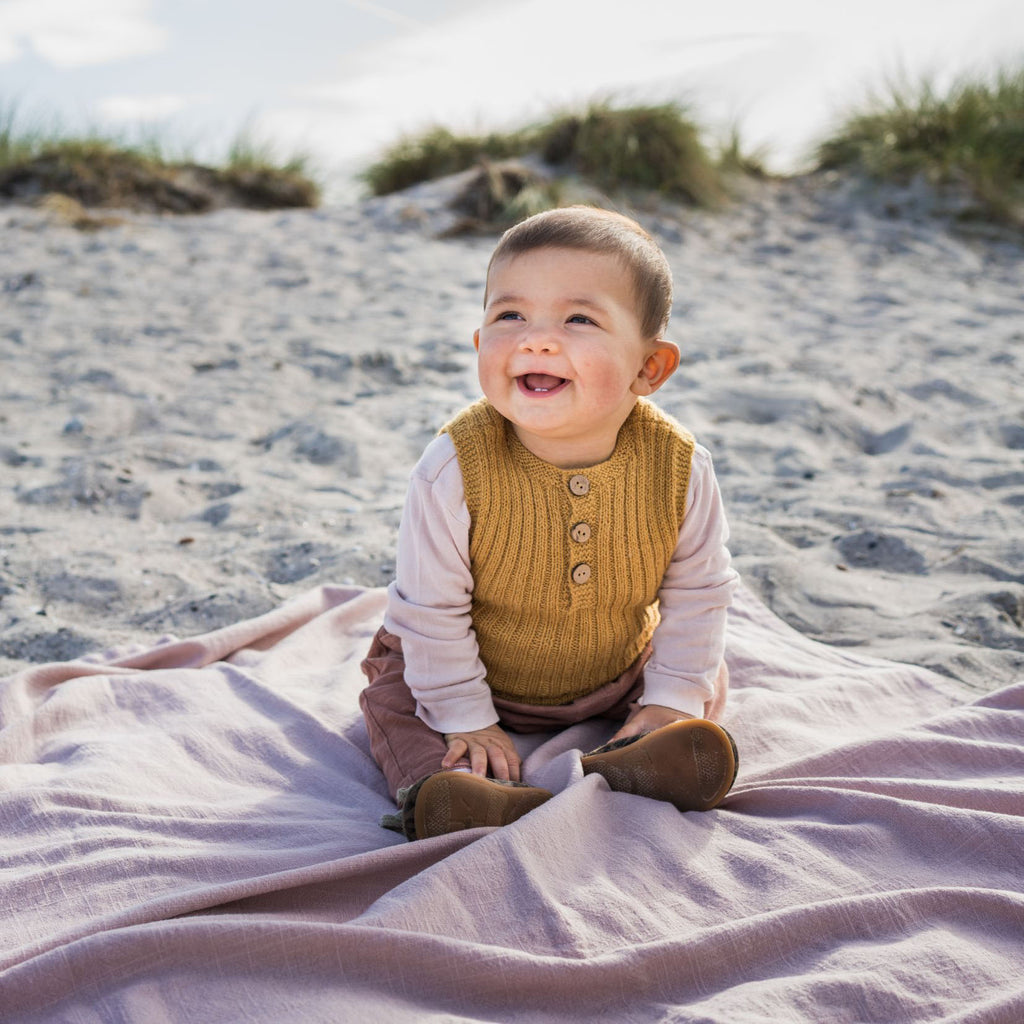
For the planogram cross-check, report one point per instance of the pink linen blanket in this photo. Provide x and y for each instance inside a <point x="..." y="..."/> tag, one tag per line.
<point x="189" y="833"/>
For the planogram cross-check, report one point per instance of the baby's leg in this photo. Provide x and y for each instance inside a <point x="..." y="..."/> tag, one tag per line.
<point x="432" y="802"/>
<point x="404" y="746"/>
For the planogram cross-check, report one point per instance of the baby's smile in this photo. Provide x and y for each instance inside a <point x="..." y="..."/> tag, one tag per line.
<point x="540" y="383"/>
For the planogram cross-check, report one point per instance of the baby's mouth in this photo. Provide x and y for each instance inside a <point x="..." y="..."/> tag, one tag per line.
<point x="540" y="383"/>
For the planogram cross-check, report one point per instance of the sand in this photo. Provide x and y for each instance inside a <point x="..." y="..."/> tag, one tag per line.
<point x="202" y="416"/>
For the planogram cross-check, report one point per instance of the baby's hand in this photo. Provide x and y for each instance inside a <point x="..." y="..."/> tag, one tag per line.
<point x="647" y="719"/>
<point x="484" y="746"/>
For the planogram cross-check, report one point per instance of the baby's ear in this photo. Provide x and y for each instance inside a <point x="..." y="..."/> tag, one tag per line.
<point x="476" y="339"/>
<point x="660" y="364"/>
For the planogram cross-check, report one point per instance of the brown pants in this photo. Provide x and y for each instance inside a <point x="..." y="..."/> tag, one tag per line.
<point x="407" y="749"/>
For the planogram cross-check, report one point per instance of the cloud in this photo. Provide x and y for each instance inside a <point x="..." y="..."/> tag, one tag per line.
<point x="143" y="109"/>
<point x="74" y="33"/>
<point x="779" y="71"/>
<point x="384" y="13"/>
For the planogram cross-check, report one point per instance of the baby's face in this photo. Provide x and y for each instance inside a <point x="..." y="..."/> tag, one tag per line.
<point x="561" y="351"/>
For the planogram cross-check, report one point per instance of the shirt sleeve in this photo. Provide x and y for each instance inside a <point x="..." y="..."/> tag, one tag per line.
<point x="430" y="599"/>
<point x="689" y="643"/>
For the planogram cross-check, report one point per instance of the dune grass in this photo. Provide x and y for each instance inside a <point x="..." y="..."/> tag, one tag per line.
<point x="656" y="147"/>
<point x="437" y="152"/>
<point x="142" y="171"/>
<point x="653" y="147"/>
<point x="973" y="134"/>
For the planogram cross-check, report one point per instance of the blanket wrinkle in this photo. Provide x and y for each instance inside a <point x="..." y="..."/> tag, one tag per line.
<point x="189" y="832"/>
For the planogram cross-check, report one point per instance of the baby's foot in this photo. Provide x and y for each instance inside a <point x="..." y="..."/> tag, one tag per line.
<point x="690" y="763"/>
<point x="451" y="801"/>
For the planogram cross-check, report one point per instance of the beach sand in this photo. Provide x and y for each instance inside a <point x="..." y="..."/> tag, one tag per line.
<point x="203" y="416"/>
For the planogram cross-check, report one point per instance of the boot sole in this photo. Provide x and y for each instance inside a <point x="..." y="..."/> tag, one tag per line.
<point x="452" y="801"/>
<point x="690" y="764"/>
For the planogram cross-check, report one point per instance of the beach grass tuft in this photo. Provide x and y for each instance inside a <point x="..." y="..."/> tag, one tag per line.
<point x="107" y="170"/>
<point x="438" y="152"/>
<point x="734" y="159"/>
<point x="972" y="134"/>
<point x="648" y="147"/>
<point x="656" y="147"/>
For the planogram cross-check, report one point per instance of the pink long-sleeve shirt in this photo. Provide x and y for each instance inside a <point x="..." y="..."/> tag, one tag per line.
<point x="429" y="602"/>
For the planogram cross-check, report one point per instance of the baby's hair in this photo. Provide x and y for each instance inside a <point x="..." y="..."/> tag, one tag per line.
<point x="605" y="232"/>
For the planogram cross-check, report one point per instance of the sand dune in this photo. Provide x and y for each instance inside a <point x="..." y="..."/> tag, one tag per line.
<point x="200" y="417"/>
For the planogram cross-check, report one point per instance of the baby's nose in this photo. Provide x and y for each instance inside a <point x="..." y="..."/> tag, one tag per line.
<point x="540" y="340"/>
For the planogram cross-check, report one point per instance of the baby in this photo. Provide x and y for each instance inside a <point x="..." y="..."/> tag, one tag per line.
<point x="561" y="554"/>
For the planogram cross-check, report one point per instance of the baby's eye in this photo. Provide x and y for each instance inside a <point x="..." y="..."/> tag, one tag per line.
<point x="579" y="318"/>
<point x="509" y="315"/>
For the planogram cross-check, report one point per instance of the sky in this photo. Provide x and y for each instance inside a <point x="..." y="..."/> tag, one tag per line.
<point x="342" y="79"/>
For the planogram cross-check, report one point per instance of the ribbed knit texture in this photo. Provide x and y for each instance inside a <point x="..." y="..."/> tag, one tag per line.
<point x="545" y="639"/>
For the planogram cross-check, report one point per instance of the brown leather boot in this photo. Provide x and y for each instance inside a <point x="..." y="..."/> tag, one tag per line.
<point x="691" y="763"/>
<point x="451" y="801"/>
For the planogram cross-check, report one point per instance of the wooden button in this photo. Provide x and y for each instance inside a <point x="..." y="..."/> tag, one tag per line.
<point x="581" y="574"/>
<point x="579" y="485"/>
<point x="580" y="533"/>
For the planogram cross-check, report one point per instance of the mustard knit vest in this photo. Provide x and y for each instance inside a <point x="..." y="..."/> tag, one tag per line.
<point x="567" y="563"/>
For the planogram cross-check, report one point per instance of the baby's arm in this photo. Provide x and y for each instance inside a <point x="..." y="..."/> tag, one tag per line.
<point x="429" y="608"/>
<point x="689" y="643"/>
